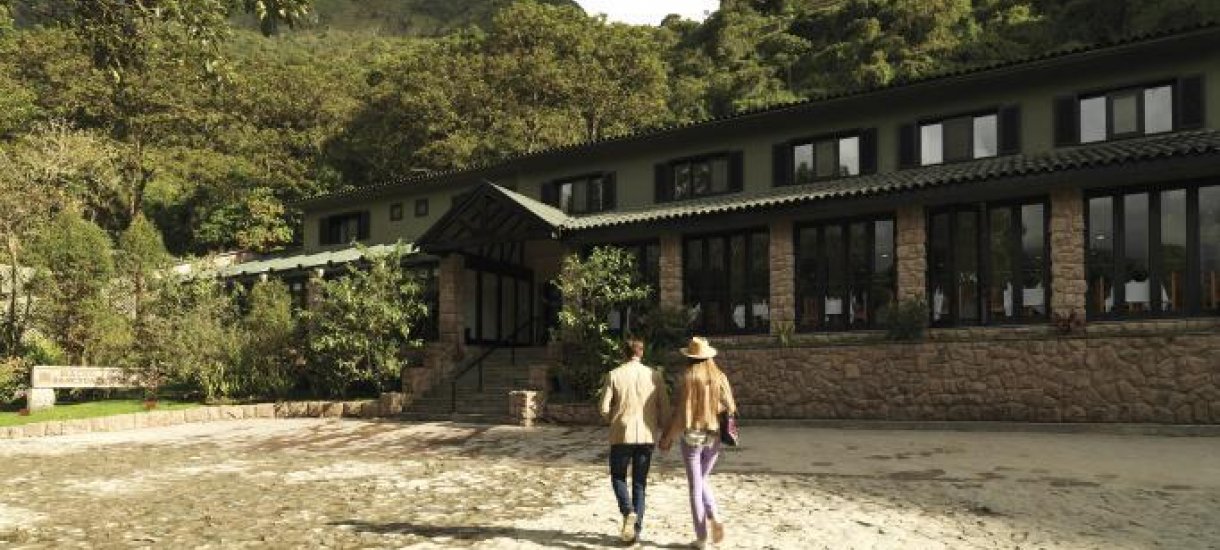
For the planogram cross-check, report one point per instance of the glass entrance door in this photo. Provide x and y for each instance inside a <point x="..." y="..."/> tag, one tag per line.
<point x="503" y="308"/>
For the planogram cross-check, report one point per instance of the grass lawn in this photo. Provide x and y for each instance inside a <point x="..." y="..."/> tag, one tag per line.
<point x="72" y="411"/>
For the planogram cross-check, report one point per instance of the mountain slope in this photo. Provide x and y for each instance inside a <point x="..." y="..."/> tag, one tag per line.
<point x="403" y="17"/>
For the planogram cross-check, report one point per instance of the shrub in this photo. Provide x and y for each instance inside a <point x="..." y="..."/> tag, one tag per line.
<point x="906" y="319"/>
<point x="664" y="330"/>
<point x="14" y="378"/>
<point x="591" y="288"/>
<point x="361" y="328"/>
<point x="271" y="341"/>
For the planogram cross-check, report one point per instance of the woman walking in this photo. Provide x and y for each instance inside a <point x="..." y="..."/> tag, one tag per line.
<point x="704" y="393"/>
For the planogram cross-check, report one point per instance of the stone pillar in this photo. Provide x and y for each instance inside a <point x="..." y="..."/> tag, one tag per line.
<point x="912" y="253"/>
<point x="449" y="300"/>
<point x="40" y="398"/>
<point x="1069" y="286"/>
<point x="671" y="270"/>
<point x="313" y="288"/>
<point x="524" y="407"/>
<point x="783" y="276"/>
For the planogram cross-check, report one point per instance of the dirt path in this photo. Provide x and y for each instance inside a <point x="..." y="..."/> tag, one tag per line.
<point x="357" y="484"/>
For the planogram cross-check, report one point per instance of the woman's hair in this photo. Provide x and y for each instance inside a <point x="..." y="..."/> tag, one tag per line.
<point x="701" y="391"/>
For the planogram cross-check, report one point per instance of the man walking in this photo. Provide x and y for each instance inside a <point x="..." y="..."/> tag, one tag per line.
<point x="636" y="403"/>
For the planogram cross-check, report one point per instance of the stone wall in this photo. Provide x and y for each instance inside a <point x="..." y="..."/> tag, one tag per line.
<point x="911" y="252"/>
<point x="580" y="414"/>
<point x="390" y="404"/>
<point x="1163" y="372"/>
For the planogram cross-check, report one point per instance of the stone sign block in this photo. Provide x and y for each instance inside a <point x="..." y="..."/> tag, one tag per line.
<point x="80" y="377"/>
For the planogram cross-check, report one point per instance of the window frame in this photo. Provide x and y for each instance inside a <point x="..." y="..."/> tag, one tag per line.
<point x="672" y="165"/>
<point x="821" y="280"/>
<point x="1194" y="267"/>
<point x="973" y="114"/>
<point x="396" y="212"/>
<point x="330" y="234"/>
<point x="556" y="191"/>
<point x="983" y="255"/>
<point x="705" y="283"/>
<point x="1139" y="89"/>
<point x="421" y="208"/>
<point x="813" y="140"/>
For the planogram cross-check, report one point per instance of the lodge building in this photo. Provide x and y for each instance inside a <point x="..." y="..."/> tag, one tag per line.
<point x="1081" y="184"/>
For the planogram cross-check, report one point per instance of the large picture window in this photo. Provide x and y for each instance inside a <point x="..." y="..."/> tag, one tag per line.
<point x="845" y="274"/>
<point x="727" y="282"/>
<point x="648" y="268"/>
<point x="1154" y="252"/>
<point x="987" y="264"/>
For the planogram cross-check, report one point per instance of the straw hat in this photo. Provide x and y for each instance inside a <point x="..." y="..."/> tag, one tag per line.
<point x="698" y="348"/>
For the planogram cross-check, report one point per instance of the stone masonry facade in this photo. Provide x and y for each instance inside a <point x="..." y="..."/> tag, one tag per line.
<point x="1068" y="283"/>
<point x="912" y="252"/>
<point x="671" y="270"/>
<point x="783" y="276"/>
<point x="1158" y="372"/>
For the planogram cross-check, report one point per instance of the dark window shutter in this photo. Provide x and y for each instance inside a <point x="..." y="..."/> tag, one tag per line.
<point x="907" y="154"/>
<point x="324" y="236"/>
<point x="868" y="151"/>
<point x="364" y="229"/>
<point x="1190" y="102"/>
<point x="663" y="181"/>
<point x="550" y="194"/>
<point x="1067" y="121"/>
<point x="609" y="192"/>
<point x="1010" y="130"/>
<point x="736" y="171"/>
<point x="781" y="164"/>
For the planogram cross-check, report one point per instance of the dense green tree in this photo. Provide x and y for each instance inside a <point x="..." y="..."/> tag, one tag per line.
<point x="75" y="262"/>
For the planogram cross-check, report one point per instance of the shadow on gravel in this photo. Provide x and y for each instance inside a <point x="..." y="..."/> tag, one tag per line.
<point x="476" y="533"/>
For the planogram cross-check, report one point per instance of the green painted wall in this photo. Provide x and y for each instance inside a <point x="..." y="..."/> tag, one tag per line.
<point x="1031" y="86"/>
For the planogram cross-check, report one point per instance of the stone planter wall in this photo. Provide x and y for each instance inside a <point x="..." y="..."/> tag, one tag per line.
<point x="579" y="414"/>
<point x="389" y="405"/>
<point x="1162" y="372"/>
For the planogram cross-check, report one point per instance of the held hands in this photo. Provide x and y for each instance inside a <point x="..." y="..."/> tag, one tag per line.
<point x="665" y="444"/>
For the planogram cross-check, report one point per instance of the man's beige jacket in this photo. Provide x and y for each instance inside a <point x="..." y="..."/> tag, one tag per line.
<point x="636" y="403"/>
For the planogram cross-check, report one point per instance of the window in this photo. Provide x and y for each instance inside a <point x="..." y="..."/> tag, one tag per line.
<point x="581" y="195"/>
<point x="1125" y="113"/>
<point x="825" y="159"/>
<point x="698" y="177"/>
<point x="1129" y="112"/>
<point x="988" y="264"/>
<point x="845" y="274"/>
<point x="961" y="138"/>
<point x="396" y="212"/>
<point x="344" y="228"/>
<point x="421" y="208"/>
<point x="727" y="282"/>
<point x="1153" y="252"/>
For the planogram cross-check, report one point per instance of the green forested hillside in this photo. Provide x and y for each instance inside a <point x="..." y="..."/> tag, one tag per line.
<point x="400" y="17"/>
<point x="191" y="116"/>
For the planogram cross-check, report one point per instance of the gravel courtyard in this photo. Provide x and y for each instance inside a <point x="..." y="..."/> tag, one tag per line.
<point x="362" y="484"/>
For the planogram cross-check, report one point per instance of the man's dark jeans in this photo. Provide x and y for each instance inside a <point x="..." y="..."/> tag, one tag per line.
<point x="639" y="458"/>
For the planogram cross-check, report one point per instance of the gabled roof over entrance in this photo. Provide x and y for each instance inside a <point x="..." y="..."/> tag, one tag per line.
<point x="491" y="214"/>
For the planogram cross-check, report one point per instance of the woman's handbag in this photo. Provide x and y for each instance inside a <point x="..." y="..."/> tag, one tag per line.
<point x="728" y="429"/>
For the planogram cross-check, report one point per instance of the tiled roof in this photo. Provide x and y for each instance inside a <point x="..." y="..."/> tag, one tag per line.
<point x="1182" y="144"/>
<point x="549" y="214"/>
<point x="307" y="261"/>
<point x="770" y="109"/>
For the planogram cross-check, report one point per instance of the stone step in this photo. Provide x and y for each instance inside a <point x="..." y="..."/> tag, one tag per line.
<point x="461" y="418"/>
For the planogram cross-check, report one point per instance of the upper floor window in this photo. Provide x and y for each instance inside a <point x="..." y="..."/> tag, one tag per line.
<point x="699" y="176"/>
<point x="396" y="212"/>
<point x="826" y="157"/>
<point x="963" y="137"/>
<point x="581" y="195"/>
<point x="1129" y="112"/>
<point x="344" y="228"/>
